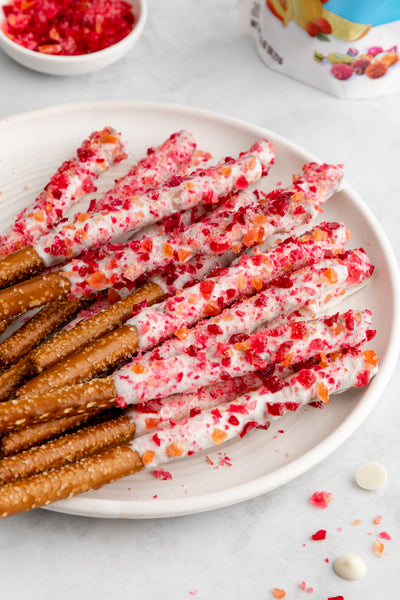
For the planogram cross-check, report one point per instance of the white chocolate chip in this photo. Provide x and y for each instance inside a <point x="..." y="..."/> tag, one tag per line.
<point x="350" y="566"/>
<point x="371" y="476"/>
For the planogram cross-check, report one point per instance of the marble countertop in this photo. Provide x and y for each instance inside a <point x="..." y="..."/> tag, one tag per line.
<point x="196" y="54"/>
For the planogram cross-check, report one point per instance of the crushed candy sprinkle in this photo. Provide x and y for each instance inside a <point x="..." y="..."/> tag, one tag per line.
<point x="321" y="499"/>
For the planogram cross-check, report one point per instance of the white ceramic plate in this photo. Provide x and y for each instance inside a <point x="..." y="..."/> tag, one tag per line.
<point x="32" y="147"/>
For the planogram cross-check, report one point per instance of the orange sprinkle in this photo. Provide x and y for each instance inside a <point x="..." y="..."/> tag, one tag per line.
<point x="183" y="255"/>
<point x="39" y="215"/>
<point x="193" y="299"/>
<point x="182" y="333"/>
<point x="260" y="220"/>
<point x="49" y="207"/>
<point x="254" y="236"/>
<point x="151" y="423"/>
<point x="109" y="139"/>
<point x="331" y="275"/>
<point x="139" y="368"/>
<point x="245" y="345"/>
<point x="252" y="163"/>
<point x="378" y="548"/>
<point x="226" y="171"/>
<point x="175" y="449"/>
<point x="218" y="436"/>
<point x="304" y="238"/>
<point x="322" y="392"/>
<point x="236" y="248"/>
<point x="377" y="519"/>
<point x="356" y="522"/>
<point x="277" y="593"/>
<point x="168" y="250"/>
<point x="319" y="235"/>
<point x="241" y="282"/>
<point x="297" y="197"/>
<point x="336" y="329"/>
<point x="257" y="282"/>
<point x="189" y="185"/>
<point x="287" y="360"/>
<point x="212" y="309"/>
<point x="82" y="217"/>
<point x="370" y="357"/>
<point x="97" y="280"/>
<point x="148" y="457"/>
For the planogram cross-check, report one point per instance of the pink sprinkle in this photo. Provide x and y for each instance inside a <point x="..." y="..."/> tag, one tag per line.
<point x="121" y="402"/>
<point x="303" y="585"/>
<point x="340" y="528"/>
<point x="281" y="431"/>
<point x="193" y="593"/>
<point x="321" y="499"/>
<point x="327" y="560"/>
<point x="384" y="535"/>
<point x="210" y="462"/>
<point x="310" y="590"/>
<point x="161" y="474"/>
<point x="155" y="496"/>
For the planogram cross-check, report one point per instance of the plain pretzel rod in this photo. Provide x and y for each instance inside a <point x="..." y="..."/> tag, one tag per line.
<point x="208" y="429"/>
<point x="73" y="179"/>
<point x="321" y="281"/>
<point x="209" y="297"/>
<point x="88" y="230"/>
<point x="44" y="322"/>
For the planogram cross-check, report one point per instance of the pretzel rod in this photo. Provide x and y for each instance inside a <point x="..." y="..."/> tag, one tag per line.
<point x="5" y="324"/>
<point x="169" y="160"/>
<point x="73" y="179"/>
<point x="295" y="290"/>
<point x="67" y="449"/>
<point x="16" y="441"/>
<point x="68" y="341"/>
<point x="69" y="480"/>
<point x="212" y="427"/>
<point x="13" y="377"/>
<point x="241" y="221"/>
<point x="38" y="327"/>
<point x="282" y="345"/>
<point x="191" y="305"/>
<point x="75" y="400"/>
<point x="33" y="293"/>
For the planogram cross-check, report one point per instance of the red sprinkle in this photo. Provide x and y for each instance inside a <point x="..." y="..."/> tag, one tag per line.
<point x="161" y="474"/>
<point x="319" y="535"/>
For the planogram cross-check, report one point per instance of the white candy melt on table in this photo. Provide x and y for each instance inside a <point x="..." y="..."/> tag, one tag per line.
<point x="371" y="476"/>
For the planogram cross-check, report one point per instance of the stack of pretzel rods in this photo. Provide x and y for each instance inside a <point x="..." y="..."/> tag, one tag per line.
<point x="291" y="214"/>
<point x="226" y="351"/>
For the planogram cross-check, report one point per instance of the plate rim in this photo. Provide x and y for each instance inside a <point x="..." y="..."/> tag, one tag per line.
<point x="114" y="508"/>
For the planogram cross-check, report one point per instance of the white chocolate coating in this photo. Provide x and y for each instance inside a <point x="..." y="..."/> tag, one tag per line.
<point x="350" y="566"/>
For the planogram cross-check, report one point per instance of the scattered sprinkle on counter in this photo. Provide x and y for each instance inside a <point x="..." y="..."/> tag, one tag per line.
<point x="278" y="593"/>
<point x="371" y="476"/>
<point x="321" y="499"/>
<point x="379" y="548"/>
<point x="67" y="27"/>
<point x="319" y="535"/>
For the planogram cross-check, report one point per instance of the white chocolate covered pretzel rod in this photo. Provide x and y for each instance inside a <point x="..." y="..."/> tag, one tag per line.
<point x="283" y="345"/>
<point x="73" y="179"/>
<point x="232" y="420"/>
<point x="171" y="160"/>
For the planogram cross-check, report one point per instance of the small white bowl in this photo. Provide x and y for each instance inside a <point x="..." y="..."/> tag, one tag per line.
<point x="75" y="65"/>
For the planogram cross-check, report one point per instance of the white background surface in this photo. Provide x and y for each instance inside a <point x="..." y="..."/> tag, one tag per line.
<point x="195" y="53"/>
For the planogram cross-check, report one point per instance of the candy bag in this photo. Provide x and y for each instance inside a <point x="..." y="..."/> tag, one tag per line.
<point x="348" y="49"/>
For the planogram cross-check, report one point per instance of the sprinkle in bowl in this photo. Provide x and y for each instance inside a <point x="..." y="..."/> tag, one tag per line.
<point x="76" y="64"/>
